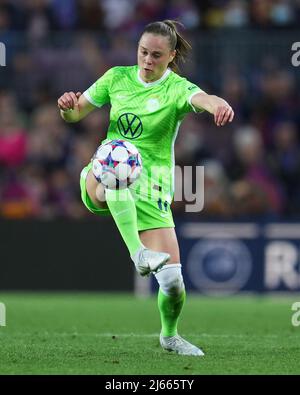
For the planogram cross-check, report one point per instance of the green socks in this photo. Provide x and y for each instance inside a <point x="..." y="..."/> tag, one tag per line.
<point x="170" y="308"/>
<point x="122" y="207"/>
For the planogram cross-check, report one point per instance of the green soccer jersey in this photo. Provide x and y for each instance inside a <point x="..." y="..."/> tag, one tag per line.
<point x="147" y="115"/>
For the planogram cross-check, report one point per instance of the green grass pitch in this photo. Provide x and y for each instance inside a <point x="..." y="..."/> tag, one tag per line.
<point x="114" y="334"/>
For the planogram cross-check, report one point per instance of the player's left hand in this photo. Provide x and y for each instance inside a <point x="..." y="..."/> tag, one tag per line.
<point x="223" y="114"/>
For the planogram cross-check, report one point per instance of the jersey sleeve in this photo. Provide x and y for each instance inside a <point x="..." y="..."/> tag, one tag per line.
<point x="99" y="93"/>
<point x="185" y="91"/>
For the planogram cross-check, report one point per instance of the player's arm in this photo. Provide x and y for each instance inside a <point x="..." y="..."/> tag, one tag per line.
<point x="73" y="107"/>
<point x="217" y="106"/>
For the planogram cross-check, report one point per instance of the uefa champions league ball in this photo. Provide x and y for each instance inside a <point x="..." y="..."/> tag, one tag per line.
<point x="117" y="164"/>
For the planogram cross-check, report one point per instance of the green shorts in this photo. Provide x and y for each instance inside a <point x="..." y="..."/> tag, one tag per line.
<point x="151" y="213"/>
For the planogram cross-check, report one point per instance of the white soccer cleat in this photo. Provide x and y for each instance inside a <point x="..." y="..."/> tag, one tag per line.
<point x="147" y="261"/>
<point x="179" y="345"/>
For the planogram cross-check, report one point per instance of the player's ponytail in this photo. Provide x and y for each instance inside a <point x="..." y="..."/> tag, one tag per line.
<point x="168" y="28"/>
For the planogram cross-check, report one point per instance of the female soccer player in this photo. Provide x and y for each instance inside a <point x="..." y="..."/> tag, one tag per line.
<point x="148" y="102"/>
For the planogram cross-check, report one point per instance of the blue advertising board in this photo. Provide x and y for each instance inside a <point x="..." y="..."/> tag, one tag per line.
<point x="224" y="258"/>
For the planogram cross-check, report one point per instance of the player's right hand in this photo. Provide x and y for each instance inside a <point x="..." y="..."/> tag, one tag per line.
<point x="68" y="101"/>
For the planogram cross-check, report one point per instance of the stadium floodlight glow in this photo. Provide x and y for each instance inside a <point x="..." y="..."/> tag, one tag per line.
<point x="2" y="54"/>
<point x="2" y="314"/>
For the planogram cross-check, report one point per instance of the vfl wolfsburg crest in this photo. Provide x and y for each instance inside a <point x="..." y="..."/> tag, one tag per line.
<point x="130" y="126"/>
<point x="152" y="105"/>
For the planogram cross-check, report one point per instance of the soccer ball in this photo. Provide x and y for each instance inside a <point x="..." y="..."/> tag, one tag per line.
<point x="117" y="164"/>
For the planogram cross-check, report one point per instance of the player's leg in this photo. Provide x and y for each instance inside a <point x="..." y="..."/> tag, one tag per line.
<point x="95" y="190"/>
<point x="171" y="295"/>
<point x="122" y="208"/>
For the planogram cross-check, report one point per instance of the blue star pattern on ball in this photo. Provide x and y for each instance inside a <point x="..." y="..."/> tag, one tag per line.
<point x="117" y="164"/>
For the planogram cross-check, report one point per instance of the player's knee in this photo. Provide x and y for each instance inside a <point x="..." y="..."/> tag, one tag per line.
<point x="100" y="193"/>
<point x="170" y="279"/>
<point x="95" y="190"/>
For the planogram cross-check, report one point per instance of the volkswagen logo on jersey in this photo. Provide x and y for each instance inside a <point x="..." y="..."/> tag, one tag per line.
<point x="130" y="126"/>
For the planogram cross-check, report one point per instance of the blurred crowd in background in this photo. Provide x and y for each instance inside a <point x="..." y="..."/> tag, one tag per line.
<point x="252" y="166"/>
<point x="125" y="15"/>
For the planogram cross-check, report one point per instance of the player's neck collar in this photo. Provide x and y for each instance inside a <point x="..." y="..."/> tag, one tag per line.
<point x="148" y="84"/>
